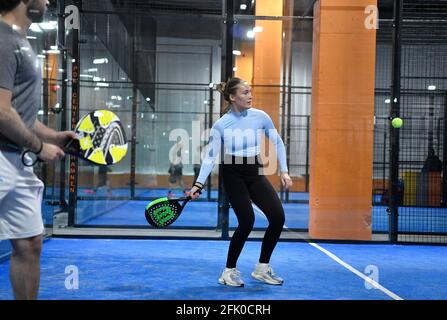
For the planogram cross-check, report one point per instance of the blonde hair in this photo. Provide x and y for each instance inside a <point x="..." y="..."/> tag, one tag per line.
<point x="228" y="88"/>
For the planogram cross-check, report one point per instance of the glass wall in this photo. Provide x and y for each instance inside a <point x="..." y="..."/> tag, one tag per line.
<point x="157" y="67"/>
<point x="156" y="72"/>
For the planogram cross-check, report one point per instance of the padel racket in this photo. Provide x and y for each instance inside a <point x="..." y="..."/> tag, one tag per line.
<point x="101" y="140"/>
<point x="162" y="212"/>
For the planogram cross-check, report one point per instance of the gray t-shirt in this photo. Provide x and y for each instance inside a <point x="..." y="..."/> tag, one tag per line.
<point x="19" y="73"/>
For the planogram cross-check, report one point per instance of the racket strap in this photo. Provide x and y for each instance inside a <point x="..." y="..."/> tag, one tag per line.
<point x="32" y="162"/>
<point x="198" y="185"/>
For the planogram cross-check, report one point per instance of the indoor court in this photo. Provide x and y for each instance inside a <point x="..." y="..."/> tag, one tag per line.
<point x="357" y="93"/>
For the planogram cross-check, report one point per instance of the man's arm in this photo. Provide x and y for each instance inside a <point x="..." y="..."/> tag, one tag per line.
<point x="43" y="132"/>
<point x="12" y="126"/>
<point x="46" y="134"/>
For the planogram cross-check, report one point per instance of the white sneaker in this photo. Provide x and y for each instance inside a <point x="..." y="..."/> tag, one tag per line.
<point x="231" y="277"/>
<point x="263" y="272"/>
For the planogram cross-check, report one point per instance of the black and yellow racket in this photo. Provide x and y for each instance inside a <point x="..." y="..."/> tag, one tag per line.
<point x="101" y="140"/>
<point x="163" y="212"/>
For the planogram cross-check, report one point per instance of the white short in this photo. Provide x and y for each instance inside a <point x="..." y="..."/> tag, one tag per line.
<point x="20" y="199"/>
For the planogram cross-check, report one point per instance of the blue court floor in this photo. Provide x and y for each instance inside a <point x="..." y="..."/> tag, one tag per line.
<point x="189" y="269"/>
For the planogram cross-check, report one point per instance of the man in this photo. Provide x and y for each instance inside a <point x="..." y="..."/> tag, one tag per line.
<point x="20" y="190"/>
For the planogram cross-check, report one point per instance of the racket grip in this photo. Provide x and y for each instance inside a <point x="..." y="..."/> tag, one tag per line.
<point x="72" y="147"/>
<point x="185" y="201"/>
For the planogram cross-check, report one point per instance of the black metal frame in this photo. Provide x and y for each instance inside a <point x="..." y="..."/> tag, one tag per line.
<point x="75" y="91"/>
<point x="394" y="133"/>
<point x="63" y="104"/>
<point x="227" y="72"/>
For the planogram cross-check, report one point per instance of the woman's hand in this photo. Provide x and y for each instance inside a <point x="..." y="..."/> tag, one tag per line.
<point x="195" y="192"/>
<point x="286" y="180"/>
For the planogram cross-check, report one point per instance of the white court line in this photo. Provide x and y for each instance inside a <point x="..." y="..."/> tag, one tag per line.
<point x="339" y="261"/>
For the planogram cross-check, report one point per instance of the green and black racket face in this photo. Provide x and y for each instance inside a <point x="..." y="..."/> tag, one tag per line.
<point x="163" y="212"/>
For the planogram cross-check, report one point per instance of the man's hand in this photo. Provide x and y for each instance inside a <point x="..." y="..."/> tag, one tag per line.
<point x="46" y="134"/>
<point x="61" y="138"/>
<point x="51" y="153"/>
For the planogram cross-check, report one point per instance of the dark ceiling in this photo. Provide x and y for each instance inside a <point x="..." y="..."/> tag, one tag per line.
<point x="423" y="19"/>
<point x="413" y="9"/>
<point x="203" y="7"/>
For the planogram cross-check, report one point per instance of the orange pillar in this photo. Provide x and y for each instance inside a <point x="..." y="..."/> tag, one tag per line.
<point x="244" y="62"/>
<point x="267" y="70"/>
<point x="341" y="157"/>
<point x="51" y="75"/>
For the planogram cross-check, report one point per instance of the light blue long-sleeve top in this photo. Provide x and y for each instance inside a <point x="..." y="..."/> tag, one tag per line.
<point x="240" y="133"/>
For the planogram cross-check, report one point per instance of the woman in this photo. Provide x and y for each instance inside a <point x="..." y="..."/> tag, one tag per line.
<point x="240" y="132"/>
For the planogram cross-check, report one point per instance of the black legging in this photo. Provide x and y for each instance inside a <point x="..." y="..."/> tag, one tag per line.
<point x="243" y="184"/>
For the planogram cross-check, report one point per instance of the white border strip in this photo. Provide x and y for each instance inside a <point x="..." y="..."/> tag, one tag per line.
<point x="339" y="261"/>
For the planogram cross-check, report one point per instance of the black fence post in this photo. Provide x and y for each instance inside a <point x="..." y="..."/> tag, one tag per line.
<point x="75" y="90"/>
<point x="394" y="133"/>
<point x="444" y="154"/>
<point x="224" y="205"/>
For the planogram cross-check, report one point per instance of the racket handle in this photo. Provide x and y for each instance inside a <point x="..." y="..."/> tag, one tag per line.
<point x="185" y="200"/>
<point x="72" y="147"/>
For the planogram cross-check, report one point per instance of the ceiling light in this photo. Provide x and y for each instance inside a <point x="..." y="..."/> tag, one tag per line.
<point x="100" y="61"/>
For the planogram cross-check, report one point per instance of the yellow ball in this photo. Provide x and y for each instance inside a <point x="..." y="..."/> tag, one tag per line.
<point x="397" y="123"/>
